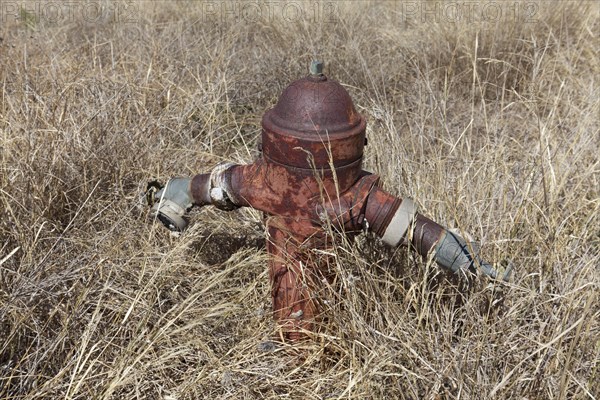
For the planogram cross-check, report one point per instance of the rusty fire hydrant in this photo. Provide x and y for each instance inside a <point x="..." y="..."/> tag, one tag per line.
<point x="308" y="177"/>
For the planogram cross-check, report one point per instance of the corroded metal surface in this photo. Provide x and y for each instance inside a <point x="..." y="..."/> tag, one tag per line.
<point x="296" y="273"/>
<point x="313" y="124"/>
<point x="425" y="235"/>
<point x="310" y="176"/>
<point x="200" y="189"/>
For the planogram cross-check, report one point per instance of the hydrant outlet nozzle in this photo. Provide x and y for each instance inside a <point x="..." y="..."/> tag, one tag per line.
<point x="171" y="202"/>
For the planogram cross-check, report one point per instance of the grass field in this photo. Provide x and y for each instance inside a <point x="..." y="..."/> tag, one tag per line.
<point x="486" y="114"/>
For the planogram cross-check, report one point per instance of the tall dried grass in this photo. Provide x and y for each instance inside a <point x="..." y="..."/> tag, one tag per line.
<point x="492" y="126"/>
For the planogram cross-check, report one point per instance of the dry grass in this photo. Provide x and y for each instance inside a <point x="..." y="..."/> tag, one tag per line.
<point x="491" y="126"/>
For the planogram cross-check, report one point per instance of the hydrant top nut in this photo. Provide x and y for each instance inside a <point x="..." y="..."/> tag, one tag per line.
<point x="316" y="67"/>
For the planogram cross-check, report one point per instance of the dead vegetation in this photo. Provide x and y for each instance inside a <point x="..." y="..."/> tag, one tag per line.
<point x="492" y="126"/>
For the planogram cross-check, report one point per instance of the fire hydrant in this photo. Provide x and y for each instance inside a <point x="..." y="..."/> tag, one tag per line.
<point x="308" y="178"/>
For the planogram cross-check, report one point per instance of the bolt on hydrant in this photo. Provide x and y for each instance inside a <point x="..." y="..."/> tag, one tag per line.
<point x="309" y="177"/>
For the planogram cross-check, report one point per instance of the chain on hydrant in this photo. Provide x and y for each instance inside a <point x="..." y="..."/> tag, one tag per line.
<point x="310" y="175"/>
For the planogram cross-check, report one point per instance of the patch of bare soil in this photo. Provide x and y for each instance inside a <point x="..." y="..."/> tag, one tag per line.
<point x="215" y="246"/>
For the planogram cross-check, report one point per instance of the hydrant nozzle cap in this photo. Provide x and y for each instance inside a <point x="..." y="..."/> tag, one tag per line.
<point x="316" y="68"/>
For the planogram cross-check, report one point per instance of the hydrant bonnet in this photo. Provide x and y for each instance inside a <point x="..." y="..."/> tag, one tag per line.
<point x="314" y="115"/>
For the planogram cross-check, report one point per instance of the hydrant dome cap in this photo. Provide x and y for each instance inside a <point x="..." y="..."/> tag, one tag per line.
<point x="314" y="124"/>
<point x="314" y="105"/>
